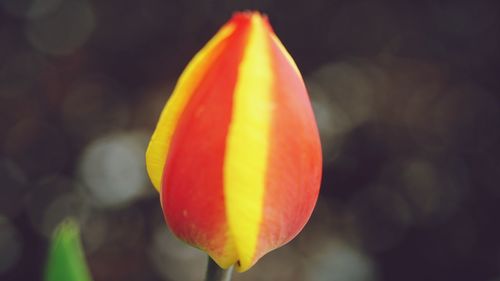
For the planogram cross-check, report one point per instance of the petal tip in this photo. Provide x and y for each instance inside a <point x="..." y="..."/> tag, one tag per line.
<point x="247" y="16"/>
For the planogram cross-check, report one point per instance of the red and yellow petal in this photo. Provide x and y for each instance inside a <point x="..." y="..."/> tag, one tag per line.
<point x="236" y="153"/>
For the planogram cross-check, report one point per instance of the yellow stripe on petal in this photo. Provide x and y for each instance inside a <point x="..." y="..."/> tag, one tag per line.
<point x="156" y="154"/>
<point x="247" y="144"/>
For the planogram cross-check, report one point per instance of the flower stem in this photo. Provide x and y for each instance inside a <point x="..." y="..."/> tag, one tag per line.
<point x="215" y="273"/>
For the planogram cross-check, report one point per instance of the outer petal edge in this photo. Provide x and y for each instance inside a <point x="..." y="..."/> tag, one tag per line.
<point x="159" y="144"/>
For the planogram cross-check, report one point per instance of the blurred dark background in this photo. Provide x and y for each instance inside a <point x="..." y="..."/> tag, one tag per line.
<point x="407" y="98"/>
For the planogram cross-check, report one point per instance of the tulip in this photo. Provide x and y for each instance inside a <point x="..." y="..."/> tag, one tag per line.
<point x="236" y="154"/>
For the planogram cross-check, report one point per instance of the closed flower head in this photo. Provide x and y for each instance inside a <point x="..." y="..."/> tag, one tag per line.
<point x="236" y="154"/>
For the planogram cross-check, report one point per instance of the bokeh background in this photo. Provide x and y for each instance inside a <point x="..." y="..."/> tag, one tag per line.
<point x="407" y="98"/>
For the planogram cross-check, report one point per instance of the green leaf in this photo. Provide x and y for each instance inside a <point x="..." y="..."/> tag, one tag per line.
<point x="66" y="260"/>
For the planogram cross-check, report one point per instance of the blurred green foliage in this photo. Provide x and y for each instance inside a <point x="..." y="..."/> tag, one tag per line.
<point x="66" y="260"/>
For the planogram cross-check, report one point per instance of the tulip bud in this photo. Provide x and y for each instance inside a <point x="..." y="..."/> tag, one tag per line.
<point x="236" y="154"/>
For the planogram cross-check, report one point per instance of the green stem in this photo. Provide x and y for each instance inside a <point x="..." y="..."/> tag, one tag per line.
<point x="215" y="273"/>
